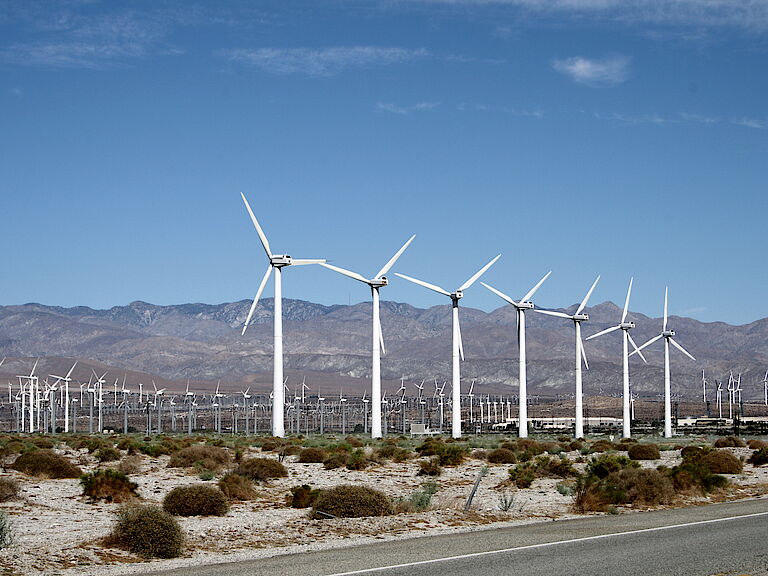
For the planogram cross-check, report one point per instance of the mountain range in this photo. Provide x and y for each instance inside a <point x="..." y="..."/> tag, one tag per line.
<point x="330" y="346"/>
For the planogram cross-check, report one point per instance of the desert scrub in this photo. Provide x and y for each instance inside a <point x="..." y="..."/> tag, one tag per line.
<point x="430" y="467"/>
<point x="758" y="458"/>
<point x="729" y="442"/>
<point x="260" y="469"/>
<point x="312" y="456"/>
<point x="196" y="500"/>
<point x="46" y="463"/>
<point x="603" y="446"/>
<point x="358" y="460"/>
<point x="525" y="473"/>
<point x="108" y="485"/>
<point x="347" y="501"/>
<point x="638" y="451"/>
<point x="107" y="454"/>
<point x="603" y="465"/>
<point x="755" y="444"/>
<point x="9" y="489"/>
<point x="694" y="476"/>
<point x="147" y="530"/>
<point x="336" y="460"/>
<point x="501" y="456"/>
<point x="392" y="452"/>
<point x="419" y="500"/>
<point x="201" y="457"/>
<point x="236" y="487"/>
<point x="626" y="486"/>
<point x="303" y="496"/>
<point x="131" y="464"/>
<point x="722" y="462"/>
<point x="6" y="531"/>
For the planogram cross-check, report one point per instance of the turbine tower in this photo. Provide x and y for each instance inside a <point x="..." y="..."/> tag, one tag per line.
<point x="377" y="348"/>
<point x="66" y="379"/>
<point x="458" y="347"/>
<point x="276" y="262"/>
<point x="668" y="336"/>
<point x="521" y="306"/>
<point x="625" y="327"/>
<point x="578" y="317"/>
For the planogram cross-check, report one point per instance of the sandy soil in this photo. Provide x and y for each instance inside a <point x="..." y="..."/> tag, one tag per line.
<point x="58" y="531"/>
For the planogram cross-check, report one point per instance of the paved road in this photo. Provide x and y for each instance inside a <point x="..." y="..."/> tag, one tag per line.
<point x="707" y="540"/>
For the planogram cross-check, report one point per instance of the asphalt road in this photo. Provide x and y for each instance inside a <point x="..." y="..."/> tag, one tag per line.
<point x="718" y="539"/>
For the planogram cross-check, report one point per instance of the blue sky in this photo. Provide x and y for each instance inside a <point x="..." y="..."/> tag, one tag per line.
<point x="604" y="136"/>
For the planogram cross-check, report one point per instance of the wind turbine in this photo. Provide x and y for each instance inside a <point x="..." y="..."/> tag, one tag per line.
<point x="668" y="336"/>
<point x="625" y="327"/>
<point x="521" y="306"/>
<point x="578" y="317"/>
<point x="377" y="348"/>
<point x="66" y="379"/>
<point x="458" y="347"/>
<point x="276" y="262"/>
<point x="765" y="388"/>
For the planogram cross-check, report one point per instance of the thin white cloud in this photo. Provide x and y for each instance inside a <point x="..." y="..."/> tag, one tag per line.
<point x="322" y="61"/>
<point x="608" y="71"/>
<point x="402" y="110"/>
<point x="750" y="123"/>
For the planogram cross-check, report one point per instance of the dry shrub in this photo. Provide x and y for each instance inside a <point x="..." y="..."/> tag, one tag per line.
<point x="722" y="462"/>
<point x="758" y="458"/>
<point x="509" y="445"/>
<point x="693" y="453"/>
<point x="107" y="454"/>
<point x="108" y="485"/>
<point x="430" y="467"/>
<point x="501" y="456"/>
<point x="755" y="444"/>
<point x="337" y="460"/>
<point x="525" y="473"/>
<point x="42" y="442"/>
<point x="354" y="442"/>
<point x="312" y="455"/>
<point x="260" y="469"/>
<point x="196" y="500"/>
<point x="602" y="446"/>
<point x="643" y="451"/>
<point x="391" y="452"/>
<point x="347" y="501"/>
<point x="628" y="441"/>
<point x="532" y="447"/>
<point x="551" y="447"/>
<point x="729" y="442"/>
<point x="46" y="463"/>
<point x="603" y="465"/>
<point x="269" y="445"/>
<point x="358" y="460"/>
<point x="290" y="450"/>
<point x="131" y="464"/>
<point x="9" y="489"/>
<point x="303" y="496"/>
<point x="200" y="456"/>
<point x="575" y="446"/>
<point x="690" y="476"/>
<point x="147" y="530"/>
<point x="237" y="487"/>
<point x="628" y="486"/>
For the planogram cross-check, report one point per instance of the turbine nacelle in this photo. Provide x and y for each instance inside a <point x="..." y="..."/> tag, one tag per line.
<point x="668" y="333"/>
<point x="580" y="317"/>
<point x="378" y="282"/>
<point x="525" y="306"/>
<point x="627" y="325"/>
<point x="281" y="260"/>
<point x="456" y="296"/>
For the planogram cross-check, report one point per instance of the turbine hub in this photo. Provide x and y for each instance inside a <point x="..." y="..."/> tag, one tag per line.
<point x="280" y="261"/>
<point x="458" y="295"/>
<point x="627" y="325"/>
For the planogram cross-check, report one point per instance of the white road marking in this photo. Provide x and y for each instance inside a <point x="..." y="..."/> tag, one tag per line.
<point x="546" y="544"/>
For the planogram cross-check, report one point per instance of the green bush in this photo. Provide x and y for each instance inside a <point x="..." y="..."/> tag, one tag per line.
<point x="303" y="496"/>
<point x="626" y="486"/>
<point x="9" y="489"/>
<point x="200" y="456"/>
<point x="261" y="469"/>
<point x="312" y="456"/>
<point x="6" y="530"/>
<point x="196" y="500"/>
<point x="107" y="454"/>
<point x="643" y="452"/>
<point x="501" y="456"/>
<point x="347" y="501"/>
<point x="147" y="530"/>
<point x="236" y="487"/>
<point x="602" y="446"/>
<point x="109" y="485"/>
<point x="420" y="500"/>
<point x="758" y="458"/>
<point x="46" y="463"/>
<point x="336" y="460"/>
<point x="693" y="453"/>
<point x="430" y="467"/>
<point x="357" y="460"/>
<point x="601" y="466"/>
<point x="544" y="466"/>
<point x="696" y="475"/>
<point x="729" y="442"/>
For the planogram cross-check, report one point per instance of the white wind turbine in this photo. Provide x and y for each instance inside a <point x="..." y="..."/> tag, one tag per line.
<point x="521" y="306"/>
<point x="377" y="348"/>
<point x="625" y="328"/>
<point x="66" y="379"/>
<point x="668" y="336"/>
<point x="276" y="262"/>
<point x="765" y="388"/>
<point x="578" y="317"/>
<point x="458" y="347"/>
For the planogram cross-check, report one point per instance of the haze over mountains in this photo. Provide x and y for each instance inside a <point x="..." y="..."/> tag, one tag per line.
<point x="331" y="346"/>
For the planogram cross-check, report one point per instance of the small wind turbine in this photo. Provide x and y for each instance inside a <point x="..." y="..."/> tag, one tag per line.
<point x="578" y="317"/>
<point x="458" y="347"/>
<point x="765" y="388"/>
<point x="668" y="336"/>
<point x="719" y="399"/>
<point x="66" y="380"/>
<point x="625" y="328"/>
<point x="276" y="262"/>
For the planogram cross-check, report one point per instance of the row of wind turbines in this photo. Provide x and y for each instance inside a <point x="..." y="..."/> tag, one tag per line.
<point x="279" y="261"/>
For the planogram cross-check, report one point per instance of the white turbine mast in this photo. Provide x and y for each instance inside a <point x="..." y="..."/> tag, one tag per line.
<point x="668" y="336"/>
<point x="578" y="317"/>
<point x="66" y="380"/>
<point x="276" y="262"/>
<point x="625" y="328"/>
<point x="377" y="348"/>
<point x="520" y="307"/>
<point x="458" y="347"/>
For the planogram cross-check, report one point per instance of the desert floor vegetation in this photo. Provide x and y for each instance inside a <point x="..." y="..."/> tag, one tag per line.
<point x="282" y="492"/>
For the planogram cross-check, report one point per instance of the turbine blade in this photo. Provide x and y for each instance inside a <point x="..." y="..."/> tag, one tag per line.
<point x="305" y="261"/>
<point x="479" y="273"/>
<point x="584" y="355"/>
<point x="553" y="313"/>
<point x="353" y="275"/>
<point x="394" y="258"/>
<point x="70" y="370"/>
<point x="500" y="294"/>
<point x="532" y="291"/>
<point x="424" y="284"/>
<point x="606" y="331"/>
<point x="683" y="350"/>
<point x="262" y="236"/>
<point x="626" y="302"/>
<point x="632" y="341"/>
<point x="381" y="337"/>
<point x="461" y="343"/>
<point x="651" y="341"/>
<point x="256" y="299"/>
<point x="666" y="290"/>
<point x="586" y="298"/>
